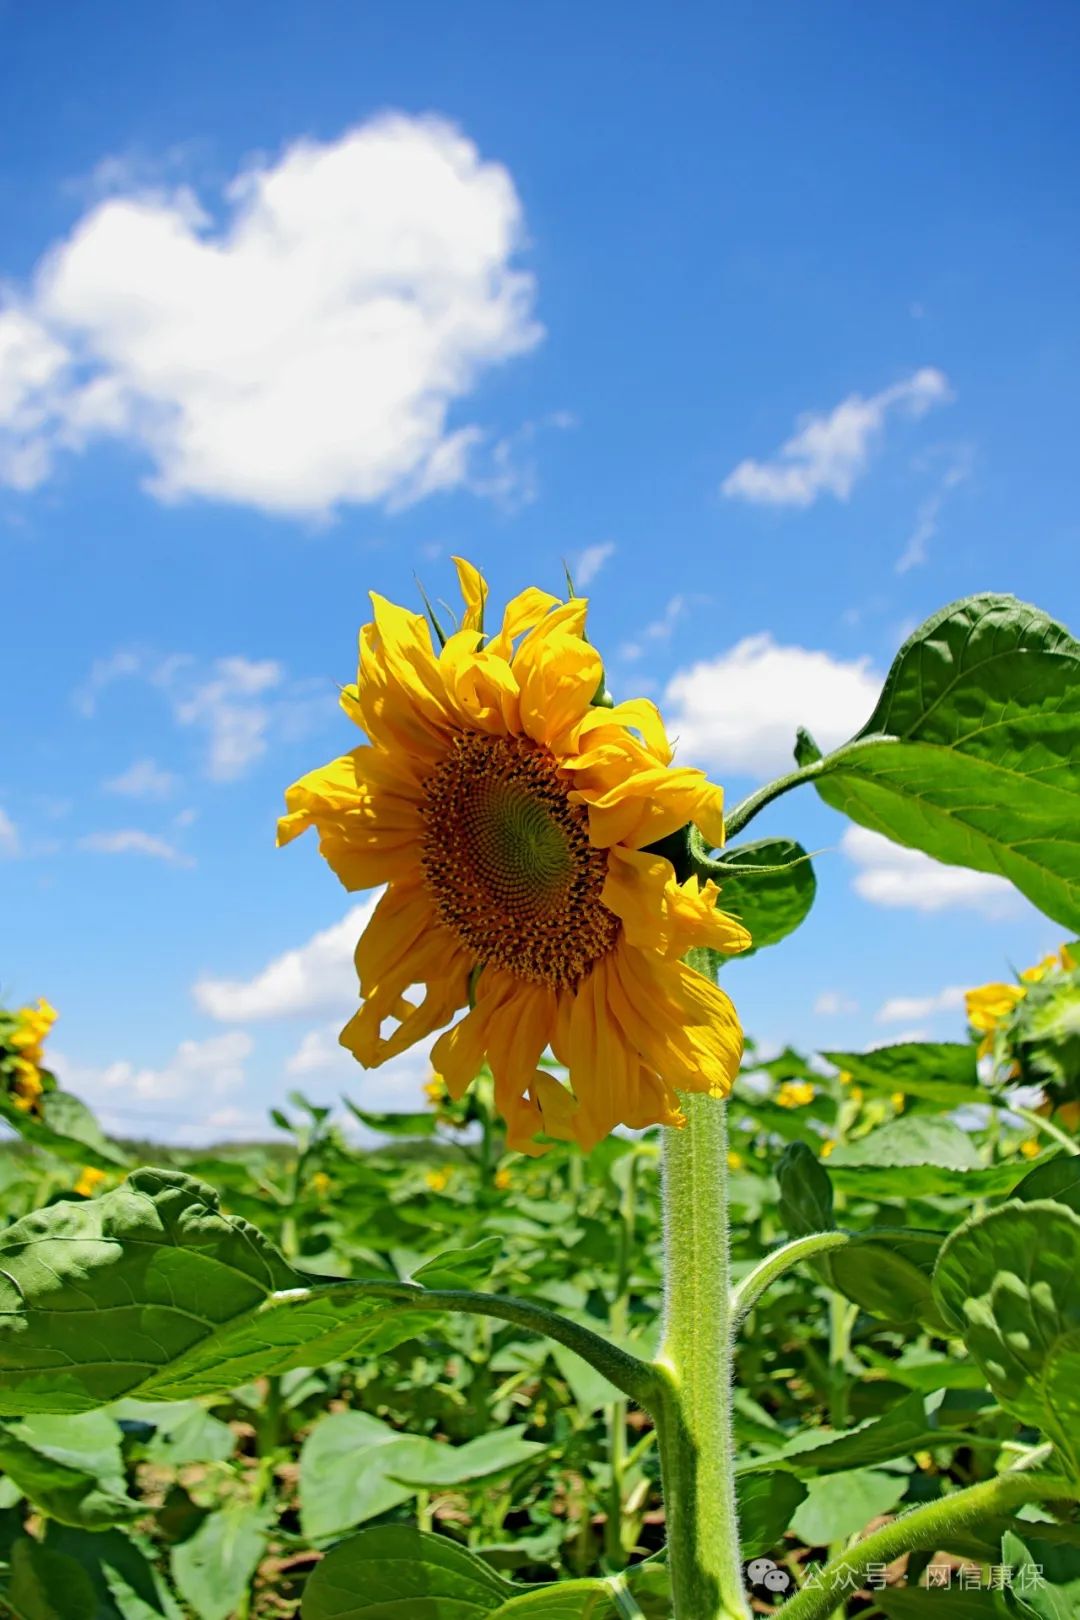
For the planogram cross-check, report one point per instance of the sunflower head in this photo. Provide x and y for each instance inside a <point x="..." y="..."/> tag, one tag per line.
<point x="518" y="819"/>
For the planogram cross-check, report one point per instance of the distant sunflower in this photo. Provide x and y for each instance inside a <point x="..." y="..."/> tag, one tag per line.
<point x="510" y="818"/>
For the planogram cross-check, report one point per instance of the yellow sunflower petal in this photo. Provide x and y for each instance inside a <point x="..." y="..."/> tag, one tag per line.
<point x="474" y="593"/>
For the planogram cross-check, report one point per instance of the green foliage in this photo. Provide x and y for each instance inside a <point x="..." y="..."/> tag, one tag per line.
<point x="213" y="1373"/>
<point x="970" y="754"/>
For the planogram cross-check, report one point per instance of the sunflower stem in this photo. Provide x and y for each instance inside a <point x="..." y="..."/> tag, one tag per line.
<point x="692" y="1407"/>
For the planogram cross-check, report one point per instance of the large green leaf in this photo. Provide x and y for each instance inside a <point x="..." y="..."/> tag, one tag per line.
<point x="1006" y="1280"/>
<point x="213" y="1568"/>
<point x="839" y="1505"/>
<point x="153" y="1289"/>
<point x="897" y="1433"/>
<point x="48" y="1585"/>
<point x="1057" y="1179"/>
<point x="970" y="754"/>
<point x="66" y="1127"/>
<point x="354" y="1467"/>
<point x="394" y="1572"/>
<point x="63" y="1488"/>
<point x="769" y="885"/>
<point x="768" y="1500"/>
<point x="125" y="1582"/>
<point x="937" y="1071"/>
<point x="806" y="1196"/>
<point x="917" y="1156"/>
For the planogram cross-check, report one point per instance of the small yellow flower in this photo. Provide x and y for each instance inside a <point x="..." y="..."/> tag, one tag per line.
<point x="827" y="1147"/>
<point x="503" y="1180"/>
<point x="925" y="1460"/>
<point x="34" y="1023"/>
<point x="89" y="1181"/>
<point x="438" y="1180"/>
<point x="898" y="1100"/>
<point x="844" y="1077"/>
<point x="1068" y="961"/>
<point x="435" y="1091"/>
<point x="320" y="1183"/>
<point x="795" y="1094"/>
<point x="27" y="1086"/>
<point x="735" y="1160"/>
<point x="1030" y="1149"/>
<point x="857" y="1096"/>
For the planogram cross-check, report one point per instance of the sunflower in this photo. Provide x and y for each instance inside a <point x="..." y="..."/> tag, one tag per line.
<point x="512" y="813"/>
<point x="21" y="1036"/>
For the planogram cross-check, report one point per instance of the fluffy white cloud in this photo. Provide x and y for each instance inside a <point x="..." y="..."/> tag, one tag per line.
<point x="214" y="1066"/>
<point x="229" y="708"/>
<point x="395" y="1087"/>
<point x="143" y="779"/>
<point x="928" y="517"/>
<point x="10" y="844"/>
<point x="828" y="453"/>
<point x="590" y="561"/>
<point x="832" y="1002"/>
<point x="303" y="351"/>
<point x="902" y="1009"/>
<point x="890" y="875"/>
<point x="315" y="977"/>
<point x="740" y="712"/>
<point x="133" y="841"/>
<point x="238" y="704"/>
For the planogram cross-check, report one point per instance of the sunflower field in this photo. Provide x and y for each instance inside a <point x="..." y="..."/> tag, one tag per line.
<point x="627" y="1318"/>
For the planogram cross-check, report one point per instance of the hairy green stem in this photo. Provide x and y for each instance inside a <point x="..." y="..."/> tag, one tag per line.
<point x="693" y="1406"/>
<point x="1046" y="1126"/>
<point x="928" y="1528"/>
<point x="750" y="1290"/>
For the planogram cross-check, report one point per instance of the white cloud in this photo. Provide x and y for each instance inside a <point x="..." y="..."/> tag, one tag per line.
<point x="239" y="704"/>
<point x="10" y="843"/>
<point x="901" y="1009"/>
<point x="660" y="629"/>
<point x="302" y="352"/>
<point x="589" y="562"/>
<point x="196" y="1068"/>
<point x="890" y="875"/>
<point x="227" y="707"/>
<point x="397" y="1086"/>
<point x="317" y="976"/>
<point x="832" y="1002"/>
<point x="172" y="1103"/>
<point x="133" y="841"/>
<point x="143" y="779"/>
<point x="828" y="453"/>
<point x="740" y="712"/>
<point x="928" y="516"/>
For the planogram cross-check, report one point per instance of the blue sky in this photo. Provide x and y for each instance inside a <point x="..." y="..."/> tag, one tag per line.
<point x="766" y="318"/>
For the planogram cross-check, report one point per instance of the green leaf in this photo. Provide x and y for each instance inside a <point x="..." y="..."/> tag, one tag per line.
<point x="1006" y="1280"/>
<point x="897" y="1433"/>
<point x="460" y="1268"/>
<point x="67" y="1128"/>
<point x="354" y="1467"/>
<point x="394" y="1572"/>
<point x="806" y="1195"/>
<point x="769" y="885"/>
<point x="47" y="1585"/>
<point x="970" y="753"/>
<point x="62" y="1489"/>
<point x="768" y="1500"/>
<point x="418" y="1124"/>
<point x="1057" y="1179"/>
<point x="889" y="1275"/>
<point x="938" y="1071"/>
<point x="214" y="1567"/>
<point x="918" y="1140"/>
<point x="398" y="1573"/>
<point x="916" y="1603"/>
<point x="125" y="1583"/>
<point x="839" y="1505"/>
<point x="1046" y="1576"/>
